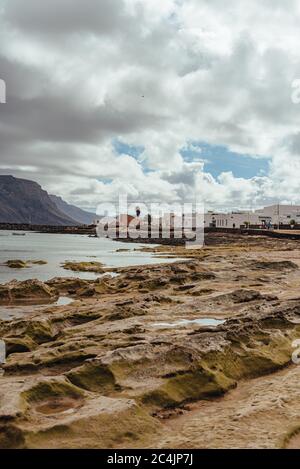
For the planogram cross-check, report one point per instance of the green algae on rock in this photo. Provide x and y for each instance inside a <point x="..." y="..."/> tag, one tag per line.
<point x="97" y="374"/>
<point x="20" y="264"/>
<point x="93" y="266"/>
<point x="16" y="264"/>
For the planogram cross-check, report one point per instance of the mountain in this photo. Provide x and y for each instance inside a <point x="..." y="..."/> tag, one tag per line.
<point x="23" y="201"/>
<point x="76" y="213"/>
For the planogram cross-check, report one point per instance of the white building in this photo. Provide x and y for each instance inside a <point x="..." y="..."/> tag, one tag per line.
<point x="231" y="220"/>
<point x="281" y="214"/>
<point x="270" y="216"/>
<point x="267" y="216"/>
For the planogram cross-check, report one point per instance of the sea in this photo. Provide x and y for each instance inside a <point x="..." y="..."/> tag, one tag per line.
<point x="58" y="248"/>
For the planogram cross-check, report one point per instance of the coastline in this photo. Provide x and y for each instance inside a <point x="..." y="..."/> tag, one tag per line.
<point x="80" y="229"/>
<point x="90" y="230"/>
<point x="120" y="359"/>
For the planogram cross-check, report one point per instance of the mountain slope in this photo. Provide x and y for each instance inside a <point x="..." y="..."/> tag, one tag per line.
<point x="76" y="213"/>
<point x="24" y="201"/>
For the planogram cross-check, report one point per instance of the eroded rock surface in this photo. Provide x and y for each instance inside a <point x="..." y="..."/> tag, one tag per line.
<point x="102" y="373"/>
<point x="29" y="291"/>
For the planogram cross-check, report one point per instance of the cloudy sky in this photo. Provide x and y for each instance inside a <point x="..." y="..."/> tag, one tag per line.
<point x="140" y="96"/>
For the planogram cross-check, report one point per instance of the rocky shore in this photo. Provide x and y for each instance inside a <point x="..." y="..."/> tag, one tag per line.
<point x="151" y="357"/>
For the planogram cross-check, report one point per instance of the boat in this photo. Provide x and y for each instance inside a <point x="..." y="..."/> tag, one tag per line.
<point x="19" y="234"/>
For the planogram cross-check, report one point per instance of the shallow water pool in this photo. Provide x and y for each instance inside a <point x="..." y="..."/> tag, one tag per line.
<point x="185" y="322"/>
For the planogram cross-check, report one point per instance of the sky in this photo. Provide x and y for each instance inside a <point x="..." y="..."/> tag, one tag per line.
<point x="161" y="100"/>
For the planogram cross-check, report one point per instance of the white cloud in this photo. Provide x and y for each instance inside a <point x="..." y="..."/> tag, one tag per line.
<point x="153" y="74"/>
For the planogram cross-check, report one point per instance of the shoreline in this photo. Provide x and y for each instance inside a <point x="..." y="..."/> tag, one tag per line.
<point x="48" y="229"/>
<point x="43" y="257"/>
<point x="114" y="355"/>
<point x="90" y="230"/>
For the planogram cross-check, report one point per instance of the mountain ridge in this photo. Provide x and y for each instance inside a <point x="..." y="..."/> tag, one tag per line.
<point x="76" y="213"/>
<point x="25" y="201"/>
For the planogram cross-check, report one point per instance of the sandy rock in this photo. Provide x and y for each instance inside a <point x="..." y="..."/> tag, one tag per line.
<point x="28" y="291"/>
<point x="100" y="373"/>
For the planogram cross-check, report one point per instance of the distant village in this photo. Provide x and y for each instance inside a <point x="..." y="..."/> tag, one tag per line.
<point x="274" y="216"/>
<point x="271" y="217"/>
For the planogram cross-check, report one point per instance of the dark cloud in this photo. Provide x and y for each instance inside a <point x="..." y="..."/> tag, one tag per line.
<point x="65" y="16"/>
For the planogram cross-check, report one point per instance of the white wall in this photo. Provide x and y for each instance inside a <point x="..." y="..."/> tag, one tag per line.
<point x="285" y="213"/>
<point x="231" y="220"/>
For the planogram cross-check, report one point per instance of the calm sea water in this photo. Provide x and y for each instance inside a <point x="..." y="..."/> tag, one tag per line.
<point x="56" y="248"/>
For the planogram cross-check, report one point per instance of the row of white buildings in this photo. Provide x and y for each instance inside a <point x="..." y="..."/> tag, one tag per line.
<point x="273" y="215"/>
<point x="267" y="217"/>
